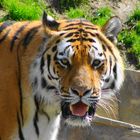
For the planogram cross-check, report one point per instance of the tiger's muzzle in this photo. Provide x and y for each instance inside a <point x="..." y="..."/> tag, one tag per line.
<point x="79" y="105"/>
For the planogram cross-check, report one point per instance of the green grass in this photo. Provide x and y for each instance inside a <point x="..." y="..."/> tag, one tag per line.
<point x="131" y="40"/>
<point x="22" y="9"/>
<point x="99" y="17"/>
<point x="135" y="16"/>
<point x="130" y="36"/>
<point x="68" y="4"/>
<point x="75" y="13"/>
<point x="137" y="27"/>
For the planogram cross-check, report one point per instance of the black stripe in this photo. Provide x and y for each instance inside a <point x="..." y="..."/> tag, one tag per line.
<point x="4" y="37"/>
<point x="77" y="33"/>
<point x="54" y="48"/>
<point x="105" y="60"/>
<point x="49" y="62"/>
<point x="73" y="40"/>
<point x="36" y="102"/>
<point x="81" y="30"/>
<point x="5" y="25"/>
<point x="115" y="71"/>
<point x="112" y="86"/>
<point x="36" y="116"/>
<point x="20" y="88"/>
<point x="43" y="82"/>
<point x="61" y="53"/>
<point x="75" y="28"/>
<point x="47" y="116"/>
<point x="83" y="39"/>
<point x="110" y="61"/>
<point x="91" y="28"/>
<point x="70" y="34"/>
<point x="51" y="87"/>
<point x="35" y="83"/>
<point x="47" y="48"/>
<point x="93" y="35"/>
<point x="55" y="56"/>
<point x="66" y="48"/>
<point x="105" y="56"/>
<point x="78" y="23"/>
<point x="42" y="65"/>
<point x="100" y="54"/>
<point x="19" y="128"/>
<point x="30" y="34"/>
<point x="94" y="47"/>
<point x="72" y="24"/>
<point x="110" y="49"/>
<point x="62" y="34"/>
<point x="72" y="28"/>
<point x="104" y="48"/>
<point x="89" y="39"/>
<point x="21" y="101"/>
<point x="49" y="77"/>
<point x="35" y="123"/>
<point x="16" y="35"/>
<point x="89" y="25"/>
<point x="58" y="41"/>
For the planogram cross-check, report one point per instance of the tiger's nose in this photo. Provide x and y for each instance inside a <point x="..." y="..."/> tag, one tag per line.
<point x="81" y="91"/>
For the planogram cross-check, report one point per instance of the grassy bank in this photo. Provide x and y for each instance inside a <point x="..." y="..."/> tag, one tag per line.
<point x="21" y="9"/>
<point x="130" y="38"/>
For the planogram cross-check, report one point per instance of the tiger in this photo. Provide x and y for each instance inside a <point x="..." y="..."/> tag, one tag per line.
<point x="55" y="70"/>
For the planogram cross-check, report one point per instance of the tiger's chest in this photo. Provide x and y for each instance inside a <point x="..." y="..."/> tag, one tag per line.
<point x="47" y="130"/>
<point x="41" y="126"/>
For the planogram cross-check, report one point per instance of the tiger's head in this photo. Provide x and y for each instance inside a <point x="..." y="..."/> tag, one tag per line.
<point x="79" y="63"/>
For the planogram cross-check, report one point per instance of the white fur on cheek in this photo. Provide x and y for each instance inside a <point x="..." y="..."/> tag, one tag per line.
<point x="120" y="76"/>
<point x="49" y="95"/>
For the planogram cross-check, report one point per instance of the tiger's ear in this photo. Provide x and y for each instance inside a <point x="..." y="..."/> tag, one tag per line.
<point x="112" y="28"/>
<point x="49" y="23"/>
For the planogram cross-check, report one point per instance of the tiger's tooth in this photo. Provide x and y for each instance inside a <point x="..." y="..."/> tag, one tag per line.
<point x="87" y="108"/>
<point x="71" y="108"/>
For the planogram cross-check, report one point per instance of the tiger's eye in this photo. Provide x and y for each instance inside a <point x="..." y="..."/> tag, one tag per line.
<point x="96" y="63"/>
<point x="64" y="61"/>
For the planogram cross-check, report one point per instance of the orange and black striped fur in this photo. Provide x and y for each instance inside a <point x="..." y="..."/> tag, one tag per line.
<point x="53" y="66"/>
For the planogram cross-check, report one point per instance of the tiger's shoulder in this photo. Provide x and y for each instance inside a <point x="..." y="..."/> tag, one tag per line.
<point x="12" y="33"/>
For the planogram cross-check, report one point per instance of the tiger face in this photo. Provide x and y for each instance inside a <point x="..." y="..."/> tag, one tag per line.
<point x="79" y="64"/>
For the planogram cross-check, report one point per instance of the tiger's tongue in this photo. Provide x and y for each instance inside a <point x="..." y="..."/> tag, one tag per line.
<point x="79" y="109"/>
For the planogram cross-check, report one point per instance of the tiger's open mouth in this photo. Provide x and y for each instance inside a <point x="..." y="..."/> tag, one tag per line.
<point x="78" y="112"/>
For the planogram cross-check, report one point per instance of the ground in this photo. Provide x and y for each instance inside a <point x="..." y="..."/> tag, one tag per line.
<point x="121" y="8"/>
